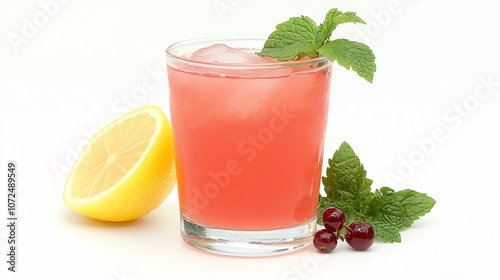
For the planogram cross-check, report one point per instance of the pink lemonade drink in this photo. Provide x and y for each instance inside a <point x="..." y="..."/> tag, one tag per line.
<point x="248" y="136"/>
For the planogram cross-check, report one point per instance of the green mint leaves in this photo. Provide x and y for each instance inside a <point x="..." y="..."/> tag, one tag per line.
<point x="351" y="55"/>
<point x="300" y="36"/>
<point x="333" y="18"/>
<point x="294" y="38"/>
<point x="348" y="189"/>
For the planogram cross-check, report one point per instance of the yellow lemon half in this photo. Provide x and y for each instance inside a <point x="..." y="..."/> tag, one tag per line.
<point x="126" y="170"/>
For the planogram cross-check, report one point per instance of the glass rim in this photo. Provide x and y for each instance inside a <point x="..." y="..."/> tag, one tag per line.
<point x="215" y="39"/>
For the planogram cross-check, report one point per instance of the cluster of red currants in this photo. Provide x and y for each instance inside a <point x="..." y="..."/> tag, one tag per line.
<point x="359" y="235"/>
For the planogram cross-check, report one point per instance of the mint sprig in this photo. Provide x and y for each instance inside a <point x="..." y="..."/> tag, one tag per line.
<point x="388" y="211"/>
<point x="299" y="37"/>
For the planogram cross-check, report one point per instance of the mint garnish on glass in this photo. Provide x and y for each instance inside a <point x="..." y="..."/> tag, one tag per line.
<point x="348" y="189"/>
<point x="300" y="37"/>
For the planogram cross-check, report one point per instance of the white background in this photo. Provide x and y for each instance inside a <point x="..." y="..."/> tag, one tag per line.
<point x="68" y="67"/>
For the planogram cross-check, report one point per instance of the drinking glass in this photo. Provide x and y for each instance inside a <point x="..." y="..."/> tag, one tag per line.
<point x="248" y="139"/>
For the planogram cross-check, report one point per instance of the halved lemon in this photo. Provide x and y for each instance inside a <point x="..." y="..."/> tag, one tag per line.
<point x="126" y="170"/>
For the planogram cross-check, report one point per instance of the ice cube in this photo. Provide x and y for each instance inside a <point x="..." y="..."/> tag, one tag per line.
<point x="221" y="53"/>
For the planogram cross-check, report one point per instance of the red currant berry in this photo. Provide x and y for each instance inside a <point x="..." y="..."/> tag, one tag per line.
<point x="325" y="241"/>
<point x="333" y="219"/>
<point x="360" y="235"/>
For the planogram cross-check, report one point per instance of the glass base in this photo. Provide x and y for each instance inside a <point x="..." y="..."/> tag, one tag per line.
<point x="247" y="243"/>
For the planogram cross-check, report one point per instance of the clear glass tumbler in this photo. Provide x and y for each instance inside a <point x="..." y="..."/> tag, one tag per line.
<point x="248" y="139"/>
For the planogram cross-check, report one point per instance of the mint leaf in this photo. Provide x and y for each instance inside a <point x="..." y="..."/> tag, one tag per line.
<point x="415" y="204"/>
<point x="385" y="231"/>
<point x="292" y="39"/>
<point x="385" y="191"/>
<point x="351" y="55"/>
<point x="348" y="189"/>
<point x="388" y="210"/>
<point x="333" y="18"/>
<point x="346" y="178"/>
